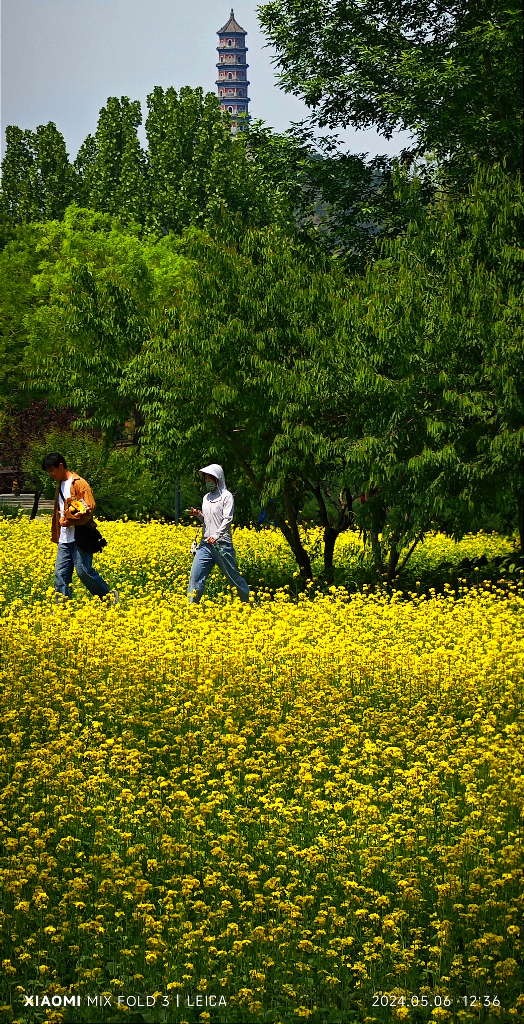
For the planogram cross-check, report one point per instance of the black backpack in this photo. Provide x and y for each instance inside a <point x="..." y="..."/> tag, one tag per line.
<point x="89" y="538"/>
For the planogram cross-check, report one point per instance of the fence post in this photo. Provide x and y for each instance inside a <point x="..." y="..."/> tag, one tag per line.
<point x="34" y="509"/>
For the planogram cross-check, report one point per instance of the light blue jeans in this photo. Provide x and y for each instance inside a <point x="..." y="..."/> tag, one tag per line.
<point x="69" y="557"/>
<point x="207" y="556"/>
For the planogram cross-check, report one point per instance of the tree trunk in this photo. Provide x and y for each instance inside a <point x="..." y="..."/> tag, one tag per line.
<point x="291" y="533"/>
<point x="392" y="561"/>
<point x="34" y="509"/>
<point x="377" y="551"/>
<point x="330" y="537"/>
<point x="331" y="532"/>
<point x="409" y="553"/>
<point x="301" y="555"/>
<point x="520" y="513"/>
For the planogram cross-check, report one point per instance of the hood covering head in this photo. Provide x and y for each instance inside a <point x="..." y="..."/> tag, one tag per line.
<point x="218" y="473"/>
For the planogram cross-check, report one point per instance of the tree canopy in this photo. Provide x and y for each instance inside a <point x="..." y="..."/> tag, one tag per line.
<point x="81" y="295"/>
<point x="447" y="73"/>
<point x="343" y="334"/>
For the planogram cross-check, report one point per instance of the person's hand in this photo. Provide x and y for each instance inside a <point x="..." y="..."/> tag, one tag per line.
<point x="62" y="521"/>
<point x="78" y="508"/>
<point x="196" y="512"/>
<point x="211" y="540"/>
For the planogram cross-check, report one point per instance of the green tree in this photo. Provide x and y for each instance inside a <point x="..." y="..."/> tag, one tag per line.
<point x="439" y="380"/>
<point x="122" y="481"/>
<point x="96" y="295"/>
<point x="38" y="181"/>
<point x="341" y="200"/>
<point x="449" y="74"/>
<point x="195" y="172"/>
<point x="198" y="173"/>
<point x="55" y="176"/>
<point x="18" y="197"/>
<point x="111" y="165"/>
<point x="84" y="166"/>
<point x="85" y="453"/>
<point x="236" y="375"/>
<point x="25" y="408"/>
<point x="18" y="262"/>
<point x="361" y="202"/>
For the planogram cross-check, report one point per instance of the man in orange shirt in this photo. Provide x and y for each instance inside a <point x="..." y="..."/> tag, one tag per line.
<point x="72" y="488"/>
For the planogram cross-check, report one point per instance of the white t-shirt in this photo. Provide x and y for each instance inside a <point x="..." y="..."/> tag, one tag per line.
<point x="67" y="533"/>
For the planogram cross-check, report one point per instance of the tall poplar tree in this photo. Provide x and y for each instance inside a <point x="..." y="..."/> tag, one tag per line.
<point x="38" y="181"/>
<point x="197" y="171"/>
<point x="111" y="164"/>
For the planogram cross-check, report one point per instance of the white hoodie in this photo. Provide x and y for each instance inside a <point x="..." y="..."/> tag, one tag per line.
<point x="217" y="506"/>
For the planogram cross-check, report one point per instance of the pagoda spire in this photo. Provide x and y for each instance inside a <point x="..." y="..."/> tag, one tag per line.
<point x="232" y="82"/>
<point x="232" y="25"/>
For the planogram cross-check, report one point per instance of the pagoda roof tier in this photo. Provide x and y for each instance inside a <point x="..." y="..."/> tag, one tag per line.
<point x="231" y="68"/>
<point x="232" y="25"/>
<point x="232" y="81"/>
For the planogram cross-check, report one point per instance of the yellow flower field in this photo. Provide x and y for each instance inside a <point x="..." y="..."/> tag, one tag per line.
<point x="310" y="808"/>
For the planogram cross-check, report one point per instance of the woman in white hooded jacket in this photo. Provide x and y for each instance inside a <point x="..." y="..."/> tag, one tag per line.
<point x="216" y="546"/>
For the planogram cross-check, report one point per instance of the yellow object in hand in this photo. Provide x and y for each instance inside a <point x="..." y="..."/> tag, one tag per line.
<point x="78" y="506"/>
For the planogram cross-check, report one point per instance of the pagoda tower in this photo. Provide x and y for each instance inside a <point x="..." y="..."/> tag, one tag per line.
<point x="232" y="83"/>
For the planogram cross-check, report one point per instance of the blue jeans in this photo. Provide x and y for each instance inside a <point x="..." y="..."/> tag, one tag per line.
<point x="69" y="557"/>
<point x="207" y="556"/>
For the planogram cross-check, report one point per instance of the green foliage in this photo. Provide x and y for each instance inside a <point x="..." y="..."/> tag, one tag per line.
<point x="18" y="263"/>
<point x="85" y="454"/>
<point x="342" y="201"/>
<point x="122" y="482"/>
<point x="235" y="376"/>
<point x="205" y="296"/>
<point x="95" y="296"/>
<point x="439" y="377"/>
<point x="127" y="488"/>
<point x="193" y="171"/>
<point x="38" y="181"/>
<point x="198" y="171"/>
<point x="404" y="385"/>
<point x="111" y="164"/>
<point x="449" y="75"/>
<point x="11" y="511"/>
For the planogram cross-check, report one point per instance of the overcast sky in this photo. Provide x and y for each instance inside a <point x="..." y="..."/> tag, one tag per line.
<point x="61" y="59"/>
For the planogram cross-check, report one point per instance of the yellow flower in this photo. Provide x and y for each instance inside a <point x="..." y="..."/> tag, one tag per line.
<point x="324" y="790"/>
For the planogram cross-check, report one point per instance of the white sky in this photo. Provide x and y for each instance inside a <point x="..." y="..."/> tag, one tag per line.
<point x="62" y="59"/>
